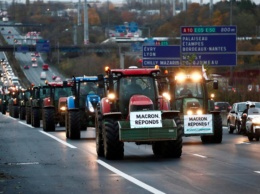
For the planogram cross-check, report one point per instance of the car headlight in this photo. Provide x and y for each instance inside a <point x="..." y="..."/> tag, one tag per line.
<point x="256" y="120"/>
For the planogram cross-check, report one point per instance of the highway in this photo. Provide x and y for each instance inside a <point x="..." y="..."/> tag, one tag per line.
<point x="33" y="73"/>
<point x="33" y="161"/>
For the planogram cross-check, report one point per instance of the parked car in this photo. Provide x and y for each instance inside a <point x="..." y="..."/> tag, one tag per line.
<point x="222" y="106"/>
<point x="234" y="116"/>
<point x="253" y="124"/>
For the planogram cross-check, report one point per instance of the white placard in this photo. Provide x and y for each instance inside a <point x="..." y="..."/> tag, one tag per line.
<point x="146" y="119"/>
<point x="198" y="124"/>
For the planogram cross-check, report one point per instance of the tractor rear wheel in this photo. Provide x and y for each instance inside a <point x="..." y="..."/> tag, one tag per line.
<point x="99" y="138"/>
<point x="218" y="132"/>
<point x="36" y="117"/>
<point x="48" y="119"/>
<point x="74" y="124"/>
<point x="113" y="148"/>
<point x="15" y="111"/>
<point x="22" y="113"/>
<point x="28" y="115"/>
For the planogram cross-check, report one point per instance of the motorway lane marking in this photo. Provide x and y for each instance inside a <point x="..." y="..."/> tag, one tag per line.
<point x="57" y="139"/>
<point x="130" y="178"/>
<point x="257" y="172"/>
<point x="201" y="156"/>
<point x="25" y="124"/>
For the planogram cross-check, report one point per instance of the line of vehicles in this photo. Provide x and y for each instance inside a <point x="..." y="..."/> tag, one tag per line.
<point x="141" y="105"/>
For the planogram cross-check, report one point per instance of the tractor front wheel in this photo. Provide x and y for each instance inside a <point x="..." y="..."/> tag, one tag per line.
<point x="73" y="124"/>
<point x="113" y="148"/>
<point x="48" y="119"/>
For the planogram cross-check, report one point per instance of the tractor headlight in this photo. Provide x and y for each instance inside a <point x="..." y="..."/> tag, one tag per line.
<point x="111" y="96"/>
<point x="63" y="108"/>
<point x="194" y="112"/>
<point x="90" y="107"/>
<point x="256" y="120"/>
<point x="166" y="95"/>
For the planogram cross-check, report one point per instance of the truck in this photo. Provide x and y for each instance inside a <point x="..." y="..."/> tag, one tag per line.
<point x="54" y="106"/>
<point x="80" y="114"/>
<point x="134" y="110"/>
<point x="189" y="94"/>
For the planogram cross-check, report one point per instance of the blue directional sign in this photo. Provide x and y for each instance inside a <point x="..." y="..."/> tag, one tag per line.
<point x="161" y="52"/>
<point x="22" y="48"/>
<point x="42" y="45"/>
<point x="211" y="45"/>
<point x="164" y="56"/>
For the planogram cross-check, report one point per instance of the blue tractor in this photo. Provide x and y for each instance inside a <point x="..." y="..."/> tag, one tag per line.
<point x="87" y="92"/>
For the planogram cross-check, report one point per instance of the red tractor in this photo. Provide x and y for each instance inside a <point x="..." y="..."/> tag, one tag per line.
<point x="134" y="110"/>
<point x="54" y="106"/>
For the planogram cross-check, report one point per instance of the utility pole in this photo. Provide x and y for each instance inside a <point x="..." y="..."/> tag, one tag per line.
<point x="79" y="13"/>
<point x="86" y="35"/>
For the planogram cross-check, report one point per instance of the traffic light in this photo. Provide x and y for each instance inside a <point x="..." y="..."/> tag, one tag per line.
<point x="161" y="42"/>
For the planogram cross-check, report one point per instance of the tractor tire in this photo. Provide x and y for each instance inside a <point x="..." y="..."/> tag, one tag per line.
<point x="173" y="149"/>
<point x="66" y="125"/>
<point x="36" y="121"/>
<point x="10" y="110"/>
<point x="250" y="136"/>
<point x="257" y="138"/>
<point x="218" y="132"/>
<point x="3" y="109"/>
<point x="22" y="113"/>
<point x="113" y="148"/>
<point x="15" y="111"/>
<point x="230" y="128"/>
<point x="28" y="115"/>
<point x="99" y="136"/>
<point x="48" y="119"/>
<point x="73" y="124"/>
<point x="157" y="148"/>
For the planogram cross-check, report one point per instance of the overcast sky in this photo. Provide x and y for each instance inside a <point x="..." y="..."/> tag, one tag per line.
<point x="121" y="1"/>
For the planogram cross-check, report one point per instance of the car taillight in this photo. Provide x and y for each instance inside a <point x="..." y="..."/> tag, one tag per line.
<point x="216" y="107"/>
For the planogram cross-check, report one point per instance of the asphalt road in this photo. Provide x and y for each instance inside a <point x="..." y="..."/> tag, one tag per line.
<point x="33" y="161"/>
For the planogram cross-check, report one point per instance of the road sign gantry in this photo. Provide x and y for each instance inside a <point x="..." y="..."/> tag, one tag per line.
<point x="209" y="45"/>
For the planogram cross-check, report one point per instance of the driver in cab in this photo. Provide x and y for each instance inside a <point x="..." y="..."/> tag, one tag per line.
<point x="185" y="91"/>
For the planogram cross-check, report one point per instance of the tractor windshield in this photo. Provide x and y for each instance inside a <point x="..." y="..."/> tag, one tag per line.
<point x="89" y="88"/>
<point x="188" y="93"/>
<point x="129" y="86"/>
<point x="62" y="92"/>
<point x="188" y="90"/>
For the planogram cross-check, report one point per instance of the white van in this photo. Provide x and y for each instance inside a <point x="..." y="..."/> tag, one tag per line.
<point x="43" y="75"/>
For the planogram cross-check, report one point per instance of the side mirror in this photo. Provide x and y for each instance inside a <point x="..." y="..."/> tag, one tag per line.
<point x="215" y="84"/>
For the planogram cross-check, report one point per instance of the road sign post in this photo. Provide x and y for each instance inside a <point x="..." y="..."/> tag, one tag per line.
<point x="209" y="45"/>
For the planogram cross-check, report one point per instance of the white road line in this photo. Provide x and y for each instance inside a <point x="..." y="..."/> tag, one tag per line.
<point x="130" y="178"/>
<point x="201" y="156"/>
<point x="57" y="139"/>
<point x="25" y="124"/>
<point x="257" y="172"/>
